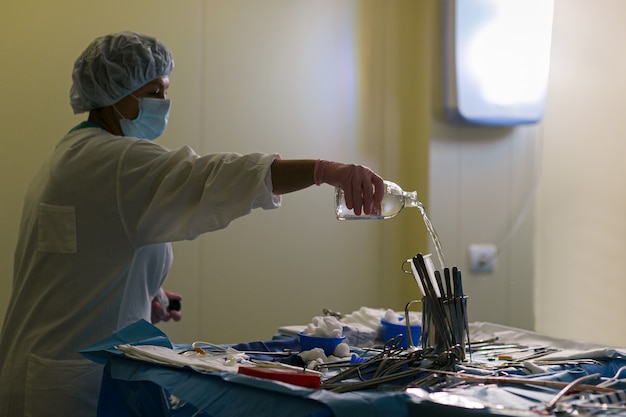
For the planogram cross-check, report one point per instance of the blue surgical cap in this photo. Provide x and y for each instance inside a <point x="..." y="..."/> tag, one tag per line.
<point x="115" y="65"/>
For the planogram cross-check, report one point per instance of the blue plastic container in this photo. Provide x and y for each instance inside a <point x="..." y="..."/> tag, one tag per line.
<point x="328" y="344"/>
<point x="391" y="330"/>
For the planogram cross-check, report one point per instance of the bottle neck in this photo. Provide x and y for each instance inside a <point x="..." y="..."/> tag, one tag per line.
<point x="410" y="199"/>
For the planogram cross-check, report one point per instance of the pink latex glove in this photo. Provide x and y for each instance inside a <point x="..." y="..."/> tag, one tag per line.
<point x="362" y="187"/>
<point x="162" y="314"/>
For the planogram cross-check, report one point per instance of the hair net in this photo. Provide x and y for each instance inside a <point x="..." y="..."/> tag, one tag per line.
<point x="114" y="66"/>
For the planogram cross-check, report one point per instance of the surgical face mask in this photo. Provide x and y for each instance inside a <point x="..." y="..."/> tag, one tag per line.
<point x="151" y="121"/>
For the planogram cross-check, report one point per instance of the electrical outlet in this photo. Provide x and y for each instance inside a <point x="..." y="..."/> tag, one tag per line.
<point x="482" y="258"/>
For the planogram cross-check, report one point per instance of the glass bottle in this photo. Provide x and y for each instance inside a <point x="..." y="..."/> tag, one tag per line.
<point x="394" y="200"/>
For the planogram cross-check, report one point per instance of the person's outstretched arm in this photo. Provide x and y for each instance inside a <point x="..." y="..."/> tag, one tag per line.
<point x="362" y="187"/>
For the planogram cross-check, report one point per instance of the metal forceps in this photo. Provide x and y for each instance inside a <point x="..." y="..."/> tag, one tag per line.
<point x="615" y="379"/>
<point x="393" y="346"/>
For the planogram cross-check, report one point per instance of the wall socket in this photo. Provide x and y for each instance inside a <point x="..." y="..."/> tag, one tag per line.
<point x="482" y="258"/>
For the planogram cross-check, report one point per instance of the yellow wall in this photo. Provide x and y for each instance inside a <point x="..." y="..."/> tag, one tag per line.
<point x="397" y="41"/>
<point x="337" y="80"/>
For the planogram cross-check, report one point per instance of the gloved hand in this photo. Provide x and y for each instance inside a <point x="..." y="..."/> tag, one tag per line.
<point x="362" y="187"/>
<point x="160" y="310"/>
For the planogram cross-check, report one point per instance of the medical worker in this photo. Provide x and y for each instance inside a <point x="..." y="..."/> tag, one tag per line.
<point x="93" y="248"/>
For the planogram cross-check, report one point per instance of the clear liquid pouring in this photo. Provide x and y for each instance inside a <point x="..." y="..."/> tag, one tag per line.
<point x="394" y="200"/>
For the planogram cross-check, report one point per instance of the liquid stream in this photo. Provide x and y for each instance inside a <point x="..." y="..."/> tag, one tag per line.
<point x="433" y="235"/>
<point x="390" y="207"/>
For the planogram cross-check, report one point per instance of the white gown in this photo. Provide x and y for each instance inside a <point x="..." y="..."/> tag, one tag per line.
<point x="94" y="250"/>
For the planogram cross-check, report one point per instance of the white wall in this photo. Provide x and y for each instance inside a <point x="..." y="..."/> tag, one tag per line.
<point x="581" y="226"/>
<point x="482" y="184"/>
<point x="482" y="188"/>
<point x="278" y="77"/>
<point x="557" y="185"/>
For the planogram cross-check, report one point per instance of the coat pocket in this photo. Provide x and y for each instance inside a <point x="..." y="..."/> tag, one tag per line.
<point x="56" y="228"/>
<point x="61" y="387"/>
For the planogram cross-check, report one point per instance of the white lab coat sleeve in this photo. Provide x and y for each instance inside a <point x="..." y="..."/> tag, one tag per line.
<point x="175" y="195"/>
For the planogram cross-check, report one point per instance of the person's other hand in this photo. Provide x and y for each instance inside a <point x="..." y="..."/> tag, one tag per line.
<point x="362" y="187"/>
<point x="162" y="314"/>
